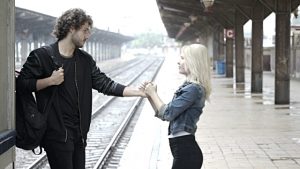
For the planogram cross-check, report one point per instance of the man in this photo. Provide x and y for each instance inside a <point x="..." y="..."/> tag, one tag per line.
<point x="75" y="76"/>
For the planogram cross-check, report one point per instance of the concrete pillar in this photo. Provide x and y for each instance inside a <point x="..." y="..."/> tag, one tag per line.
<point x="103" y="51"/>
<point x="112" y="51"/>
<point x="92" y="49"/>
<point x="16" y="52"/>
<point x="96" y="51"/>
<point x="35" y="38"/>
<point x="282" y="52"/>
<point x="293" y="59"/>
<point x="221" y="42"/>
<point x="24" y="51"/>
<point x="257" y="48"/>
<point x="216" y="47"/>
<point x="30" y="45"/>
<point x="87" y="48"/>
<point x="7" y="80"/>
<point x="109" y="51"/>
<point x="239" y="49"/>
<point x="100" y="51"/>
<point x="229" y="57"/>
<point x="106" y="52"/>
<point x="115" y="51"/>
<point x="119" y="50"/>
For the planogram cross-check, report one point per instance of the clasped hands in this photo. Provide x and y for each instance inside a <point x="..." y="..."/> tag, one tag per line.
<point x="149" y="88"/>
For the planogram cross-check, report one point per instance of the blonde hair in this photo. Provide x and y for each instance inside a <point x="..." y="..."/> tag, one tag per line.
<point x="198" y="63"/>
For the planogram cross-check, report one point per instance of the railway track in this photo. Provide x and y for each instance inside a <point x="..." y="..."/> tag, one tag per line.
<point x="114" y="151"/>
<point x="111" y="115"/>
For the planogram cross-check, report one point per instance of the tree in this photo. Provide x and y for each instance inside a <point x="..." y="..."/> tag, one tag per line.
<point x="147" y="40"/>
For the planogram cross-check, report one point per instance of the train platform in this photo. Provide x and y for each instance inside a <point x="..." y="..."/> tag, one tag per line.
<point x="237" y="130"/>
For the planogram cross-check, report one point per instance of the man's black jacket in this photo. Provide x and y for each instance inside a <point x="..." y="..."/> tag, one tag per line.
<point x="39" y="65"/>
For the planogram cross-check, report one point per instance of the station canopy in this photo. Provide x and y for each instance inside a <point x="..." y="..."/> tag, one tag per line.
<point x="186" y="19"/>
<point x="31" y="22"/>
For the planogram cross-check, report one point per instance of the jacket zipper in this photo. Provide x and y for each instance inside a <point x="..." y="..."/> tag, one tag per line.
<point x="78" y="103"/>
<point x="66" y="138"/>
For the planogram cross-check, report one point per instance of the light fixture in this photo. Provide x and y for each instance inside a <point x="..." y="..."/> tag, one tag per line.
<point x="207" y="3"/>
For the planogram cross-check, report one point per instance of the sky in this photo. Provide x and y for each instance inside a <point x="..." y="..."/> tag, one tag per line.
<point x="129" y="17"/>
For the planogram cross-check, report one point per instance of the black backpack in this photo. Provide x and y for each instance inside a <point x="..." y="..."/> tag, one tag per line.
<point x="30" y="123"/>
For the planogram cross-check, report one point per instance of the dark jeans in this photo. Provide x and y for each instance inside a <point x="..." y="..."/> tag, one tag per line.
<point x="186" y="152"/>
<point x="66" y="155"/>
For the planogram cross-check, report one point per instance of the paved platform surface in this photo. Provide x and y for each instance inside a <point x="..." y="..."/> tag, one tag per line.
<point x="237" y="130"/>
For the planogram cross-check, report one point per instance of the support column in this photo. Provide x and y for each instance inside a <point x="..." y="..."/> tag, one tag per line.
<point x="16" y="52"/>
<point x="97" y="51"/>
<point x="87" y="47"/>
<point x="101" y="51"/>
<point x="93" y="49"/>
<point x="7" y="81"/>
<point x="105" y="51"/>
<point x="24" y="50"/>
<point x="221" y="44"/>
<point x="216" y="44"/>
<point x="293" y="56"/>
<point x="35" y="39"/>
<point x="229" y="57"/>
<point x="257" y="49"/>
<point x="119" y="47"/>
<point x="108" y="51"/>
<point x="282" y="52"/>
<point x="239" y="49"/>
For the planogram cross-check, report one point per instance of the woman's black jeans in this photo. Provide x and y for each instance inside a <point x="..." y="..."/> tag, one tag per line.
<point x="186" y="152"/>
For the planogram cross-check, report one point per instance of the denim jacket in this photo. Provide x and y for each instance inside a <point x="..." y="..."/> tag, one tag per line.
<point x="184" y="110"/>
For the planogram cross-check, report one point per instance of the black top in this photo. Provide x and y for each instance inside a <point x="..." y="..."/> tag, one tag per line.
<point x="67" y="93"/>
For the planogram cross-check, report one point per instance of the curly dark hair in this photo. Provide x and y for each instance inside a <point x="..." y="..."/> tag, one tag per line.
<point x="71" y="18"/>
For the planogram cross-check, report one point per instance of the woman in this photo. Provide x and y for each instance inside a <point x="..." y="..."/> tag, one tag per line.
<point x="184" y="110"/>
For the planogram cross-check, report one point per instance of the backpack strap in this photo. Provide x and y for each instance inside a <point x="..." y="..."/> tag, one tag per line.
<point x="54" y="59"/>
<point x="52" y="56"/>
